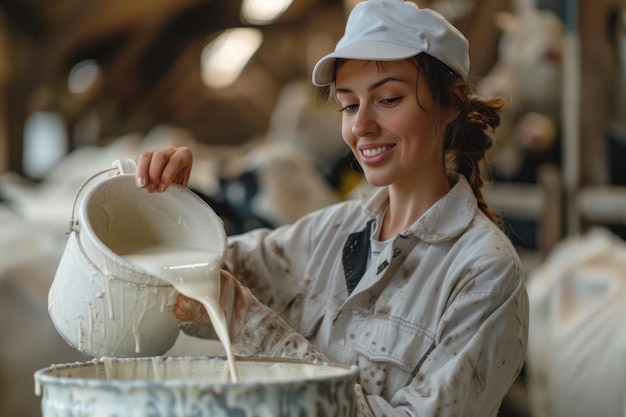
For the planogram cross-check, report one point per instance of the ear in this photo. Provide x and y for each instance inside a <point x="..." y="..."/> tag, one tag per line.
<point x="460" y="92"/>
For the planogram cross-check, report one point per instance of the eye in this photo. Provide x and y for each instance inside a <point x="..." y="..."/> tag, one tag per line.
<point x="391" y="101"/>
<point x="349" y="108"/>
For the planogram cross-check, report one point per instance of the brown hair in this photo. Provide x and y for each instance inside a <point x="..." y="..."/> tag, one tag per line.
<point x="467" y="138"/>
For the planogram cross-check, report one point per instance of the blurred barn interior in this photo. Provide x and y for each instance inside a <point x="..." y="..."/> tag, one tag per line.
<point x="83" y="83"/>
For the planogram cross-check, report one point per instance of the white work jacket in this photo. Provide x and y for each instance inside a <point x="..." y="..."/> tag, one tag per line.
<point x="437" y="325"/>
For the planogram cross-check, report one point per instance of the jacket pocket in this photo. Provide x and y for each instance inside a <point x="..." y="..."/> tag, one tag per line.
<point x="402" y="344"/>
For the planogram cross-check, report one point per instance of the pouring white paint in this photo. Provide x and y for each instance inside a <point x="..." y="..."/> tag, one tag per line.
<point x="195" y="274"/>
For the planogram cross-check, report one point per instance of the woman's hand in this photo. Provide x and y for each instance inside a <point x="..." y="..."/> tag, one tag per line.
<point x="159" y="168"/>
<point x="190" y="311"/>
<point x="236" y="301"/>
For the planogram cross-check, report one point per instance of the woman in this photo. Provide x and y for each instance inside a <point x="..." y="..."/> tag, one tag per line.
<point x="415" y="284"/>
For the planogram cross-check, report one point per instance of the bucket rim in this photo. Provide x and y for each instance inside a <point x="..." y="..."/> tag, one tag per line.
<point x="172" y="189"/>
<point x="43" y="378"/>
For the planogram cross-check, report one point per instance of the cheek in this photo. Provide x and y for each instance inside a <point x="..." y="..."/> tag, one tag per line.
<point x="346" y="134"/>
<point x="406" y="125"/>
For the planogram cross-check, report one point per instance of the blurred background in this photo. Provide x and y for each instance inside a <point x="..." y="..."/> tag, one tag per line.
<point x="83" y="83"/>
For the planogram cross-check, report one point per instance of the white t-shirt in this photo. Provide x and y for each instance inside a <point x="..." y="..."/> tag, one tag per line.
<point x="376" y="246"/>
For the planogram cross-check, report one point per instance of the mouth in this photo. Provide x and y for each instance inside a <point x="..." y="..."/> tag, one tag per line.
<point x="375" y="151"/>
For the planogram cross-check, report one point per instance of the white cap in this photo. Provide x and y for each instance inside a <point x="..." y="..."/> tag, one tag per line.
<point x="391" y="30"/>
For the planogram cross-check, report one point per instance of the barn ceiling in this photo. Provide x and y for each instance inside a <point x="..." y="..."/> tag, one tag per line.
<point x="149" y="54"/>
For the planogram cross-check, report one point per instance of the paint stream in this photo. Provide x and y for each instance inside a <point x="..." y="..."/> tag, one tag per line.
<point x="195" y="274"/>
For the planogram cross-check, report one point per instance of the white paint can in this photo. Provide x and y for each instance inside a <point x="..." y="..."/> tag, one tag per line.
<point x="102" y="304"/>
<point x="196" y="386"/>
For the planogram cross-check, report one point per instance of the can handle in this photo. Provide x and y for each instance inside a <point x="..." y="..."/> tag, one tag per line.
<point x="125" y="166"/>
<point x="122" y="166"/>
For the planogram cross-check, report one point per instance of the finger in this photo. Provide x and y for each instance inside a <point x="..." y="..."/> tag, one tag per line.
<point x="189" y="310"/>
<point x="158" y="172"/>
<point x="178" y="168"/>
<point x="157" y="169"/>
<point x="142" y="178"/>
<point x="186" y="308"/>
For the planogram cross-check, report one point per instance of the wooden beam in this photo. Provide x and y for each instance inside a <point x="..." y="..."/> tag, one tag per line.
<point x="599" y="78"/>
<point x="5" y="70"/>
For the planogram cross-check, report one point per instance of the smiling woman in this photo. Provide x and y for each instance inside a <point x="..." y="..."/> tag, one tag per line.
<point x="414" y="283"/>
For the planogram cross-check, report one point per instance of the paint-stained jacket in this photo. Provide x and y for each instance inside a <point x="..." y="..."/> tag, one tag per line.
<point x="437" y="325"/>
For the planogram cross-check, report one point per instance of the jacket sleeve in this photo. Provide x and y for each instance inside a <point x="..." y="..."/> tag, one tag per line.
<point x="274" y="263"/>
<point x="267" y="335"/>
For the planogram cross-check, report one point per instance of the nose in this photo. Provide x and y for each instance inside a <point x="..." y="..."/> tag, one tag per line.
<point x="364" y="123"/>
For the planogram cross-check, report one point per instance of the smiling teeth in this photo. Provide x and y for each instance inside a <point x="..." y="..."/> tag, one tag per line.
<point x="375" y="151"/>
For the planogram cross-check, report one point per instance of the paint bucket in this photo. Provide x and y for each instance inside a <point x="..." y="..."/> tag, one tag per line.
<point x="196" y="386"/>
<point x="99" y="302"/>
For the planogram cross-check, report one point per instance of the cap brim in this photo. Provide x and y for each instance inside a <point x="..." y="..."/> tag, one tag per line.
<point x="369" y="51"/>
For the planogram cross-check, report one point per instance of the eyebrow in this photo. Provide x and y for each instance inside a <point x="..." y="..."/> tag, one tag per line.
<point x="373" y="86"/>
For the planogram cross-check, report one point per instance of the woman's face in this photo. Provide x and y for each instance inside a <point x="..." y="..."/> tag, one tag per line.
<point x="391" y="133"/>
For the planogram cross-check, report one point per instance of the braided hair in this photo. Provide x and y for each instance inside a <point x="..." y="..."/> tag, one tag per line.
<point x="467" y="138"/>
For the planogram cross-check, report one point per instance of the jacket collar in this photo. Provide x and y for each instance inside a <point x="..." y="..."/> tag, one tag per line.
<point x="446" y="219"/>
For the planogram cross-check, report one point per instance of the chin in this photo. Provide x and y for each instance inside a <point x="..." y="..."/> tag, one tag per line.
<point x="376" y="181"/>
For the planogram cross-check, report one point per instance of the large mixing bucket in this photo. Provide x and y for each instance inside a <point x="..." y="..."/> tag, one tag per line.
<point x="196" y="387"/>
<point x="99" y="302"/>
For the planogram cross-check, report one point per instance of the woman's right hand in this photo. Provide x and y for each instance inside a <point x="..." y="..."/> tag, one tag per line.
<point x="235" y="299"/>
<point x="158" y="169"/>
